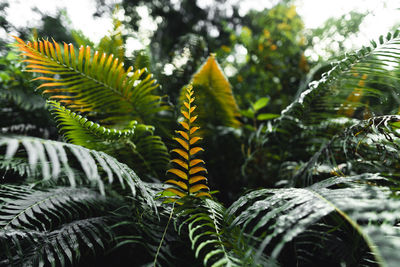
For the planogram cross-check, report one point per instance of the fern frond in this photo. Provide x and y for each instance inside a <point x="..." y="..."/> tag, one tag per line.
<point x="53" y="226"/>
<point x="81" y="131"/>
<point x="53" y="159"/>
<point x="207" y="231"/>
<point x="363" y="146"/>
<point x="361" y="82"/>
<point x="23" y="207"/>
<point x="217" y="105"/>
<point x="189" y="169"/>
<point x="92" y="84"/>
<point x="148" y="152"/>
<point x="60" y="247"/>
<point x="273" y="217"/>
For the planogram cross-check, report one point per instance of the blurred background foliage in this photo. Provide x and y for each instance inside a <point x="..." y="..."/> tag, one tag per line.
<point x="262" y="53"/>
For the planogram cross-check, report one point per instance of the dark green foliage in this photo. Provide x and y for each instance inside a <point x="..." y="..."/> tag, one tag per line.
<point x="318" y="183"/>
<point x="53" y="226"/>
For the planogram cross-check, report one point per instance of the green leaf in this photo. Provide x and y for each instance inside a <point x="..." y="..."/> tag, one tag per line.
<point x="248" y="113"/>
<point x="267" y="116"/>
<point x="260" y="103"/>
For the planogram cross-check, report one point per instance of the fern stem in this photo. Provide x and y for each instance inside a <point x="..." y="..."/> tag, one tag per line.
<point x="163" y="236"/>
<point x="376" y="253"/>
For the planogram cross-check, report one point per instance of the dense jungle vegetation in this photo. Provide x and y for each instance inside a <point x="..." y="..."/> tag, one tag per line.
<point x="219" y="144"/>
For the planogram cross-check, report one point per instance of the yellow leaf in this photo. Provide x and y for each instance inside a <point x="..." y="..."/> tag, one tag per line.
<point x="186" y="104"/>
<point x="185" y="125"/>
<point x="194" y="150"/>
<point x="184" y="134"/>
<point x="197" y="178"/>
<point x="192" y="109"/>
<point x="182" y="142"/>
<point x="176" y="192"/>
<point x="180" y="163"/>
<point x="194" y="140"/>
<point x="192" y="119"/>
<point x="178" y="183"/>
<point x="197" y="188"/>
<point x="195" y="162"/>
<point x="184" y="113"/>
<point x="203" y="194"/>
<point x="181" y="152"/>
<point x="179" y="173"/>
<point x="193" y="129"/>
<point x="197" y="169"/>
<point x="212" y="80"/>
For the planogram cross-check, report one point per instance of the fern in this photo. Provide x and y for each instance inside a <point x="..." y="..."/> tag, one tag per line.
<point x="52" y="226"/>
<point x="93" y="84"/>
<point x="331" y="94"/>
<point x="209" y="235"/>
<point x="217" y="105"/>
<point x="52" y="158"/>
<point x="190" y="181"/>
<point x="273" y="217"/>
<point x="148" y="153"/>
<point x="350" y="151"/>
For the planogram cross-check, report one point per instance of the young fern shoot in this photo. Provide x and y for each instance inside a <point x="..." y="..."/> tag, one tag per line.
<point x="189" y="172"/>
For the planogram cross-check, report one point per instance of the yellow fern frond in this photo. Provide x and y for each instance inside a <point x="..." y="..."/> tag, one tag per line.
<point x="93" y="83"/>
<point x="215" y="100"/>
<point x="189" y="170"/>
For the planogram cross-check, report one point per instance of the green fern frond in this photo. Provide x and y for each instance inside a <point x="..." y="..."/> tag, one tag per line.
<point x="54" y="159"/>
<point x="23" y="207"/>
<point x="360" y="85"/>
<point x="52" y="226"/>
<point x="350" y="151"/>
<point x="148" y="153"/>
<point x="273" y="217"/>
<point x="93" y="84"/>
<point x="217" y="105"/>
<point x="189" y="168"/>
<point x="60" y="247"/>
<point x="207" y="231"/>
<point x="81" y="131"/>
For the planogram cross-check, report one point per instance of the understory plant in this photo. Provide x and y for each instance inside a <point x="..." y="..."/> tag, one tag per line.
<point x="113" y="187"/>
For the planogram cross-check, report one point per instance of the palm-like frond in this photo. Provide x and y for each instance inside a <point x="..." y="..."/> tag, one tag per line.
<point x="190" y="180"/>
<point x="53" y="226"/>
<point x="358" y="86"/>
<point x="53" y="159"/>
<point x="93" y="84"/>
<point x="217" y="105"/>
<point x="81" y="131"/>
<point x="363" y="146"/>
<point x="136" y="146"/>
<point x="273" y="217"/>
<point x="205" y="222"/>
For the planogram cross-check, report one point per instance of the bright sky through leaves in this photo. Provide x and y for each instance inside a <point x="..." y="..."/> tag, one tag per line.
<point x="383" y="16"/>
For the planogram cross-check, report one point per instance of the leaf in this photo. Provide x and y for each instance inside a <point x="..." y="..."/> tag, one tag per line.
<point x="179" y="173"/>
<point x="197" y="169"/>
<point x="195" y="150"/>
<point x="197" y="187"/>
<point x="266" y="116"/>
<point x="181" y="152"/>
<point x="197" y="178"/>
<point x="91" y="85"/>
<point x="215" y="100"/>
<point x="260" y="103"/>
<point x="273" y="217"/>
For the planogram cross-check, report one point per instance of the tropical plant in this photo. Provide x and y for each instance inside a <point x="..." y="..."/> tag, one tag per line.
<point x="97" y="197"/>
